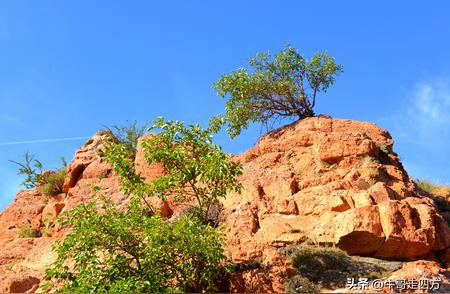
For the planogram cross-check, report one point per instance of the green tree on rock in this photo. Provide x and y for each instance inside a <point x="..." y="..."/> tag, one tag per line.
<point x="121" y="250"/>
<point x="195" y="167"/>
<point x="126" y="251"/>
<point x="275" y="87"/>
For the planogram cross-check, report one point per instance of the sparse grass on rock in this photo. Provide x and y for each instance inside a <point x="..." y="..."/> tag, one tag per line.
<point x="25" y="231"/>
<point x="440" y="195"/>
<point x="328" y="267"/>
<point x="432" y="188"/>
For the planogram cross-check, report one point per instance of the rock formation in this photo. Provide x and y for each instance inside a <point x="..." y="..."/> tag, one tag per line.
<point x="328" y="181"/>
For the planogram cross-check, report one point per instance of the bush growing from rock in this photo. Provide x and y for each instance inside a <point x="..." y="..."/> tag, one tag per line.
<point x="330" y="267"/>
<point x="31" y="168"/>
<point x="313" y="262"/>
<point x="437" y="193"/>
<point x="299" y="284"/>
<point x="128" y="135"/>
<point x="25" y="231"/>
<point x="112" y="250"/>
<point x="134" y="249"/>
<point x="430" y="187"/>
<point x="195" y="167"/>
<point x="281" y="86"/>
<point x="50" y="183"/>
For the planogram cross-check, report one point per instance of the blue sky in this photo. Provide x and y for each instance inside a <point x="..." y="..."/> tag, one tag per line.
<point x="67" y="68"/>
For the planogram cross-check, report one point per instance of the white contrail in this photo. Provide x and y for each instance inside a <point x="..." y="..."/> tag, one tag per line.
<point x="43" y="141"/>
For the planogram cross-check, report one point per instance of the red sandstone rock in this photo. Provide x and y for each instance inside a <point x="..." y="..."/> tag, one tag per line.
<point x="51" y="212"/>
<point x="84" y="157"/>
<point x="409" y="229"/>
<point x="19" y="284"/>
<point x="424" y="269"/>
<point x="358" y="231"/>
<point x="332" y="181"/>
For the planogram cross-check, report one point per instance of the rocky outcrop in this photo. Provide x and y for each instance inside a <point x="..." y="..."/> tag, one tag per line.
<point x="334" y="182"/>
<point x="28" y="226"/>
<point x="321" y="180"/>
<point x="83" y="158"/>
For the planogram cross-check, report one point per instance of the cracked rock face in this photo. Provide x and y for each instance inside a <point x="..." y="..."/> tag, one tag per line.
<point x="335" y="182"/>
<point x="328" y="180"/>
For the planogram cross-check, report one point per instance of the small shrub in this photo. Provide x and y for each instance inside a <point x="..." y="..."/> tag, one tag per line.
<point x="25" y="231"/>
<point x="128" y="135"/>
<point x="134" y="249"/>
<point x="31" y="168"/>
<point x="52" y="183"/>
<point x="431" y="188"/>
<point x="299" y="284"/>
<point x="384" y="148"/>
<point x="435" y="192"/>
<point x="330" y="267"/>
<point x="314" y="262"/>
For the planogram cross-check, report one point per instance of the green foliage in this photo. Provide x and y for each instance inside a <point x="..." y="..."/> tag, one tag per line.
<point x="128" y="135"/>
<point x="195" y="167"/>
<point x="281" y="86"/>
<point x="134" y="249"/>
<point x="31" y="169"/>
<point x="51" y="184"/>
<point x="112" y="250"/>
<point x="25" y="231"/>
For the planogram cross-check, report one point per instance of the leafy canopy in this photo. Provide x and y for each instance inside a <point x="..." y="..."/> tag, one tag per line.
<point x="195" y="167"/>
<point x="281" y="86"/>
<point x="117" y="251"/>
<point x="122" y="250"/>
<point x="128" y="135"/>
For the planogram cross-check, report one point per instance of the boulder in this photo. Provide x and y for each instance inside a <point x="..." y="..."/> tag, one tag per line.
<point x="409" y="229"/>
<point x="51" y="212"/>
<point x="356" y="235"/>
